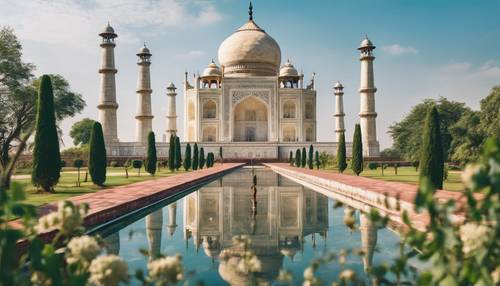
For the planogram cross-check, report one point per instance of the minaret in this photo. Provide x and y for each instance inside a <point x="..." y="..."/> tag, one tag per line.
<point x="368" y="231"/>
<point x="171" y="114"/>
<point x="154" y="222"/>
<point x="107" y="101"/>
<point x="367" y="114"/>
<point x="144" y="116"/>
<point x="339" y="110"/>
<point x="172" y="218"/>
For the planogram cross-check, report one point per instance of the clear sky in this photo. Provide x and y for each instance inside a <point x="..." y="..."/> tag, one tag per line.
<point x="425" y="49"/>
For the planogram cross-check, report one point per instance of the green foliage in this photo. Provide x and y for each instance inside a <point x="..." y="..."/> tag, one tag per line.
<point x="137" y="164"/>
<point x="326" y="159"/>
<point x="468" y="136"/>
<point x="310" y="157"/>
<point x="290" y="158"/>
<point x="80" y="131"/>
<point x="220" y="153"/>
<point x="151" y="157"/>
<point x="97" y="155"/>
<point x="201" y="164"/>
<point x="178" y="156"/>
<point x="316" y="159"/>
<point x="391" y="153"/>
<point x="304" y="158"/>
<point x="490" y="115"/>
<point x="187" y="157"/>
<point x="357" y="151"/>
<point x="63" y="163"/>
<point x="372" y="165"/>
<point x="210" y="159"/>
<point x="46" y="156"/>
<point x="78" y="163"/>
<point x="341" y="154"/>
<point x="297" y="158"/>
<point x="196" y="157"/>
<point x="171" y="153"/>
<point x="113" y="164"/>
<point x="432" y="158"/>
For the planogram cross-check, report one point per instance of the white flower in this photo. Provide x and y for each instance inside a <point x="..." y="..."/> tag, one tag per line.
<point x="83" y="249"/>
<point x="254" y="264"/>
<point x="347" y="275"/>
<point x="166" y="270"/>
<point x="473" y="236"/>
<point x="40" y="279"/>
<point x="108" y="270"/>
<point x="468" y="174"/>
<point x="241" y="240"/>
<point x="285" y="276"/>
<point x="495" y="275"/>
<point x="249" y="263"/>
<point x="66" y="219"/>
<point x="308" y="273"/>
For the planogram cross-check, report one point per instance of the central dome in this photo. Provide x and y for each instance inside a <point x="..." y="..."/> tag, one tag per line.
<point x="250" y="51"/>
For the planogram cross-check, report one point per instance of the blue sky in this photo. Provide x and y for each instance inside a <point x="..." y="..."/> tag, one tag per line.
<point x="425" y="49"/>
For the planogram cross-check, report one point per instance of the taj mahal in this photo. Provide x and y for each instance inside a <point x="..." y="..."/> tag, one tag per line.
<point x="250" y="104"/>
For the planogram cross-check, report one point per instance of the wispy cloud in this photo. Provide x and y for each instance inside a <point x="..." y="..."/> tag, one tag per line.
<point x="397" y="50"/>
<point x="489" y="69"/>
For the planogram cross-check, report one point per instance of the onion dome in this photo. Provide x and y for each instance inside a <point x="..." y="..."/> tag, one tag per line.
<point x="144" y="52"/>
<point x="212" y="70"/>
<point x="338" y="85"/>
<point x="108" y="32"/>
<point x="288" y="70"/>
<point x="366" y="44"/>
<point x="250" y="51"/>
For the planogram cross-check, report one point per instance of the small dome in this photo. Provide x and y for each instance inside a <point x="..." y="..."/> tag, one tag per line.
<point x="338" y="85"/>
<point x="144" y="50"/>
<point x="366" y="43"/>
<point x="108" y="31"/>
<point x="288" y="70"/>
<point x="171" y="86"/>
<point x="211" y="70"/>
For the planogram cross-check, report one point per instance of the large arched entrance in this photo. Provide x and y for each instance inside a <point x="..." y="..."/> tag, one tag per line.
<point x="250" y="121"/>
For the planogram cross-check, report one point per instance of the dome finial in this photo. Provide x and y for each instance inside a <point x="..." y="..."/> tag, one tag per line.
<point x="250" y="11"/>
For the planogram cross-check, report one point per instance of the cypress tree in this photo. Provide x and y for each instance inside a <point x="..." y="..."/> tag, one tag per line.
<point x="304" y="158"/>
<point x="171" y="153"/>
<point x="46" y="156"/>
<point x="178" y="155"/>
<point x="97" y="155"/>
<point x="297" y="158"/>
<point x="202" y="158"/>
<point x="310" y="159"/>
<point x="341" y="154"/>
<point x="318" y="163"/>
<point x="187" y="158"/>
<point x="195" y="157"/>
<point x="220" y="155"/>
<point x="357" y="151"/>
<point x="290" y="158"/>
<point x="151" y="158"/>
<point x="431" y="157"/>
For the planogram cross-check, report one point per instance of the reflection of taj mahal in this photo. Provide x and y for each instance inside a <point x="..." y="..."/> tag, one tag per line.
<point x="251" y="105"/>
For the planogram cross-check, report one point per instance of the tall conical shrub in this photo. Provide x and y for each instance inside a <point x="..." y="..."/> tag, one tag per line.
<point x="310" y="157"/>
<point x="290" y="158"/>
<point x="341" y="154"/>
<point x="298" y="158"/>
<point x="178" y="156"/>
<point x="431" y="157"/>
<point x="202" y="158"/>
<point x="195" y="157"/>
<point x="97" y="155"/>
<point x="46" y="157"/>
<point x="187" y="157"/>
<point x="304" y="158"/>
<point x="220" y="155"/>
<point x="357" y="151"/>
<point x="171" y="153"/>
<point x="151" y="158"/>
<point x="318" y="163"/>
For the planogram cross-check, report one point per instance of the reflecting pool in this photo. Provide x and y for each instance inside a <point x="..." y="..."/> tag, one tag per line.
<point x="288" y="226"/>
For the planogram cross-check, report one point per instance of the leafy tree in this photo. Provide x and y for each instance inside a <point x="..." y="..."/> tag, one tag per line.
<point x="304" y="158"/>
<point x="78" y="164"/>
<point x="373" y="165"/>
<point x="431" y="155"/>
<point x="187" y="157"/>
<point x="46" y="157"/>
<point x="151" y="158"/>
<point x="298" y="158"/>
<point x="490" y="113"/>
<point x="316" y="159"/>
<point x="171" y="153"/>
<point x="341" y="154"/>
<point x="310" y="157"/>
<point x="97" y="155"/>
<point x="196" y="158"/>
<point x="290" y="158"/>
<point x="178" y="156"/>
<point x="202" y="158"/>
<point x="407" y="134"/>
<point x="390" y="153"/>
<point x="137" y="164"/>
<point x="357" y="151"/>
<point x="80" y="131"/>
<point x="468" y="136"/>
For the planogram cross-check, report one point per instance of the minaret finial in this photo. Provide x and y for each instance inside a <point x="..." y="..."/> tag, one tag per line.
<point x="250" y="11"/>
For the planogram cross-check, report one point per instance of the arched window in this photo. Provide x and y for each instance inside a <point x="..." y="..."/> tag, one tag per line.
<point x="309" y="110"/>
<point x="289" y="109"/>
<point x="209" y="134"/>
<point x="210" y="109"/>
<point x="289" y="134"/>
<point x="309" y="134"/>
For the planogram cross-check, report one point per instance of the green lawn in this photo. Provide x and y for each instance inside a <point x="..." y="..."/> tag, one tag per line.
<point x="407" y="175"/>
<point x="67" y="183"/>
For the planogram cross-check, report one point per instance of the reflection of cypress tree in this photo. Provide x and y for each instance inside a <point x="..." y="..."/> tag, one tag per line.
<point x="151" y="155"/>
<point x="178" y="156"/>
<point x="195" y="157"/>
<point x="304" y="158"/>
<point x="171" y="153"/>
<point x="97" y="155"/>
<point x="187" y="157"/>
<point x="202" y="158"/>
<point x="431" y="158"/>
<point x="310" y="157"/>
<point x="46" y="156"/>
<point x="357" y="151"/>
<point x="297" y="158"/>
<point x="341" y="154"/>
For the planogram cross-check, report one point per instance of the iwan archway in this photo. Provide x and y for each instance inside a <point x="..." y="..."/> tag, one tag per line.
<point x="250" y="120"/>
